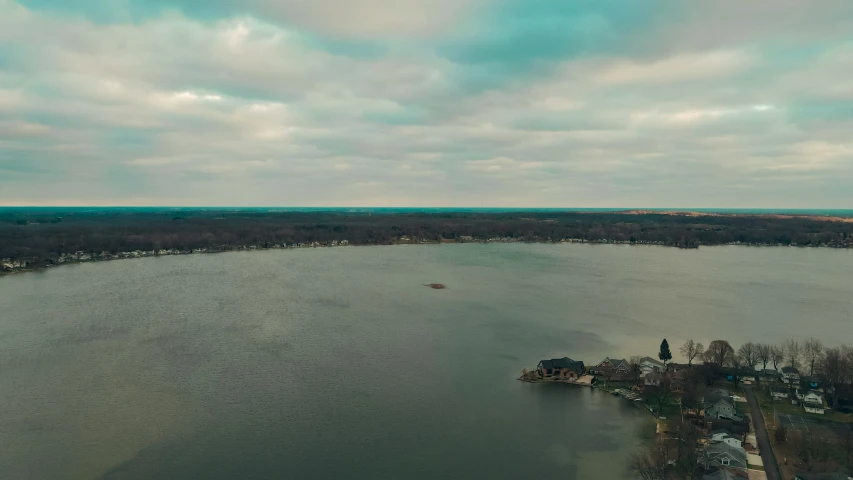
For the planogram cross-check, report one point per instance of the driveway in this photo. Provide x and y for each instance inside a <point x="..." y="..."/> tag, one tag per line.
<point x="771" y="468"/>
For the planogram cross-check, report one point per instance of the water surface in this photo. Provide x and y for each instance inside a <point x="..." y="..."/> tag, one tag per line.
<point x="339" y="363"/>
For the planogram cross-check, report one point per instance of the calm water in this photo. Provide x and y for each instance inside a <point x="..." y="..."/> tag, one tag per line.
<point x="338" y="363"/>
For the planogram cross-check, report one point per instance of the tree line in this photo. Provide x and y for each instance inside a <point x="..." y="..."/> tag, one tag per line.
<point x="830" y="366"/>
<point x="40" y="234"/>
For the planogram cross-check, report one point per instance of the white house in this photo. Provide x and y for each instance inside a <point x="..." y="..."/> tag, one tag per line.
<point x="813" y="403"/>
<point x="649" y="365"/>
<point x="779" y="392"/>
<point x="790" y="375"/>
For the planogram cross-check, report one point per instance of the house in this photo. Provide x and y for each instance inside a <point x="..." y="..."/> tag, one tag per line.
<point x="649" y="364"/>
<point x="813" y="403"/>
<point x="611" y="366"/>
<point x="722" y="455"/>
<point x="561" y="367"/>
<point x="790" y="375"/>
<point x="822" y="476"/>
<point x="717" y="406"/>
<point x="725" y="437"/>
<point x="722" y="475"/>
<point x="779" y="392"/>
<point x="652" y="379"/>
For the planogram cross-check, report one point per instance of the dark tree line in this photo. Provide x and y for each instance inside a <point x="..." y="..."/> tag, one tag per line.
<point x="40" y="234"/>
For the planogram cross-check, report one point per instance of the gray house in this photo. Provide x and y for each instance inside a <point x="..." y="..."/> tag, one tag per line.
<point x="721" y="475"/>
<point x="718" y="406"/>
<point x="721" y="455"/>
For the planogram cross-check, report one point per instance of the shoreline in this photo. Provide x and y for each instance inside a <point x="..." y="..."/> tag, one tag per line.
<point x="23" y="265"/>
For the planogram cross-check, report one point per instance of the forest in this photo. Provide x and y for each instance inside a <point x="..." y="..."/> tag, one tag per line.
<point x="40" y="235"/>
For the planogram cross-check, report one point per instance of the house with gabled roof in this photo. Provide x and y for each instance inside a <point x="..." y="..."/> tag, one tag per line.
<point x="721" y="406"/>
<point x="561" y="367"/>
<point x="612" y="366"/>
<point x="722" y="455"/>
<point x="722" y="475"/>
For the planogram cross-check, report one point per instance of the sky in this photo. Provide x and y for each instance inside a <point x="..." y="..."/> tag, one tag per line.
<point x="495" y="103"/>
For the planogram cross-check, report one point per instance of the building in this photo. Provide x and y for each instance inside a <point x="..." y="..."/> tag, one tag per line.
<point x="649" y="365"/>
<point x="611" y="366"/>
<point x="721" y="406"/>
<point x="652" y="379"/>
<point x="722" y="475"/>
<point x="790" y="375"/>
<point x="780" y="392"/>
<point x="813" y="403"/>
<point x="722" y="455"/>
<point x="726" y="437"/>
<point x="561" y="367"/>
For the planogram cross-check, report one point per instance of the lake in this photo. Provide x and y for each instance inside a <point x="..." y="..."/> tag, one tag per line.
<point x="340" y="363"/>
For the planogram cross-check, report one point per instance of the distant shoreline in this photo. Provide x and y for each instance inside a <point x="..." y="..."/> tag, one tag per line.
<point x="251" y="248"/>
<point x="39" y="238"/>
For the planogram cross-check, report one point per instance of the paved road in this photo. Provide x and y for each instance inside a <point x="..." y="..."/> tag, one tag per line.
<point x="767" y="456"/>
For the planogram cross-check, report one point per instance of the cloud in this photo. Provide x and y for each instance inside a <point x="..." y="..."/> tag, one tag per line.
<point x="536" y="103"/>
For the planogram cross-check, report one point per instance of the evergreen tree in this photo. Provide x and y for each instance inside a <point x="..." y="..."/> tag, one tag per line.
<point x="664" y="354"/>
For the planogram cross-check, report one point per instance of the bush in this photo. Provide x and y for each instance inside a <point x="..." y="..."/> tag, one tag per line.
<point x="781" y="434"/>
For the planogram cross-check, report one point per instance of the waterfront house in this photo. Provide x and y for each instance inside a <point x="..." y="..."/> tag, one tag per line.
<point x="611" y="366"/>
<point x="561" y="367"/>
<point x="790" y="375"/>
<point x="649" y="365"/>
<point x="722" y="455"/>
<point x="779" y="392"/>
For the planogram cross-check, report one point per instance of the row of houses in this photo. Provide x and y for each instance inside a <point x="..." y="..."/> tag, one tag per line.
<point x="611" y="367"/>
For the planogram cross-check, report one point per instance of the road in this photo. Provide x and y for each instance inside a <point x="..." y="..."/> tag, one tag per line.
<point x="771" y="468"/>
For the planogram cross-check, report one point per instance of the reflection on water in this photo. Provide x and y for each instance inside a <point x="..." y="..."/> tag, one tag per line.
<point x="333" y="363"/>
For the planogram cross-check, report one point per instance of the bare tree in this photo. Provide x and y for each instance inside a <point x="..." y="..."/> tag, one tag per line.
<point x="748" y="355"/>
<point x="792" y="352"/>
<point x="764" y="354"/>
<point x="719" y="353"/>
<point x="691" y="350"/>
<point x="777" y="355"/>
<point x="650" y="464"/>
<point x="835" y="366"/>
<point x="688" y="437"/>
<point x="812" y="353"/>
<point x="811" y="449"/>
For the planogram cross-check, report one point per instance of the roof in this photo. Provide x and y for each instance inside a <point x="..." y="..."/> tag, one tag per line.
<point x="564" y="362"/>
<point x="716" y="449"/>
<point x="652" y="361"/>
<point x="720" y="430"/>
<point x="615" y="361"/>
<point x="790" y="370"/>
<point x="721" y="475"/>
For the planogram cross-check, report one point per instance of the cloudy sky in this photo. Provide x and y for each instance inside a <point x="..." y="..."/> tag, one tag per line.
<point x="525" y="103"/>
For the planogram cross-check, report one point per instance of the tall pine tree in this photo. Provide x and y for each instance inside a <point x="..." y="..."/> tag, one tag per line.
<point x="664" y="354"/>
